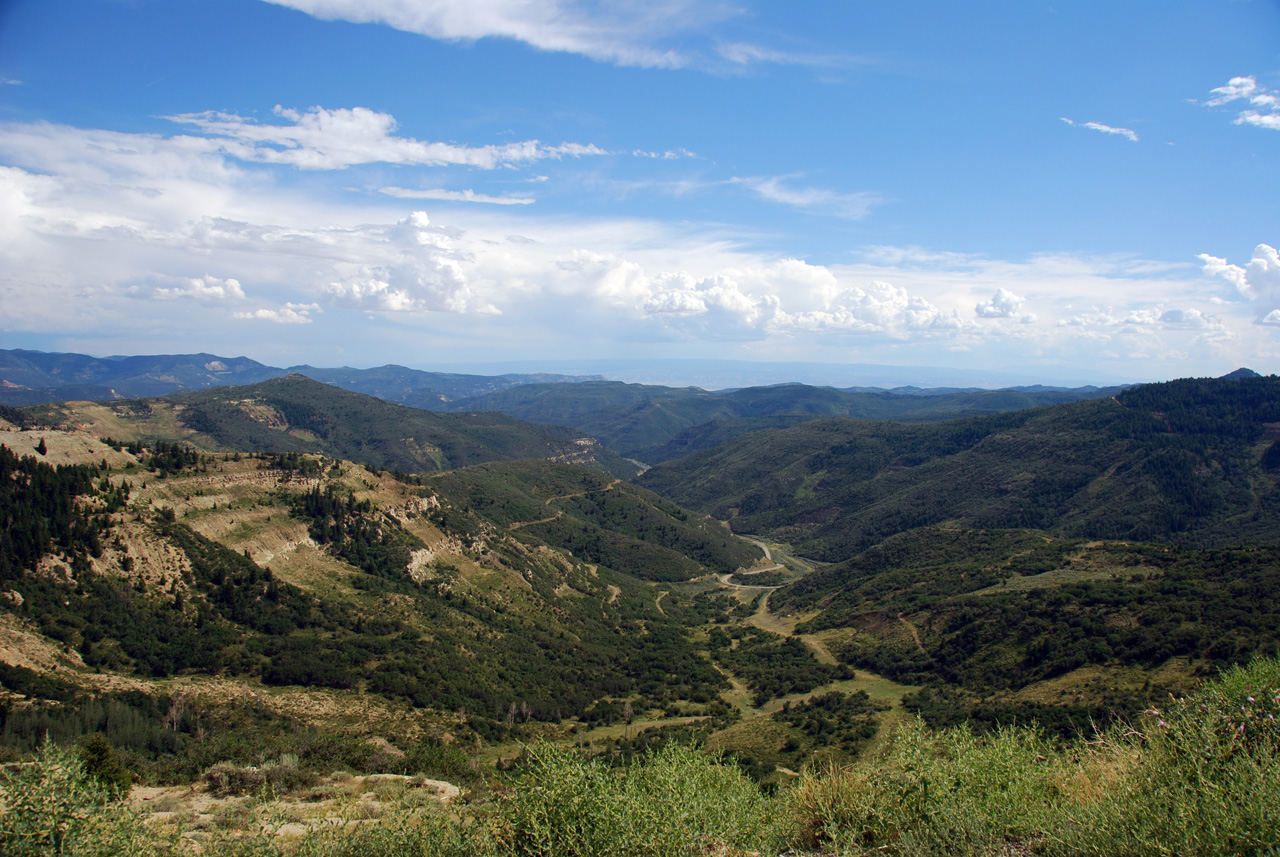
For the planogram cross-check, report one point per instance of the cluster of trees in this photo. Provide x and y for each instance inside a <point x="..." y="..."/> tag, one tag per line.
<point x="773" y="667"/>
<point x="355" y="533"/>
<point x="41" y="512"/>
<point x="846" y="720"/>
<point x="947" y="708"/>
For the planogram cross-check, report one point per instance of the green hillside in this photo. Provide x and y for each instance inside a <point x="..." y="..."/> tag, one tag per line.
<point x="1186" y="461"/>
<point x="599" y="519"/>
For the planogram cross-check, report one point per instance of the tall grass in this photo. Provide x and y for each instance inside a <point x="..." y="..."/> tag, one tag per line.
<point x="930" y="793"/>
<point x="1202" y="777"/>
<point x="676" y="801"/>
<point x="1198" y="777"/>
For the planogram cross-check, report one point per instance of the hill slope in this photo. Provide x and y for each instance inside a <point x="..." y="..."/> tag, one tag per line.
<point x="601" y="520"/>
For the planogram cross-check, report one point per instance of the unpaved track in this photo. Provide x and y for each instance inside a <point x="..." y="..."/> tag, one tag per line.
<point x="915" y="633"/>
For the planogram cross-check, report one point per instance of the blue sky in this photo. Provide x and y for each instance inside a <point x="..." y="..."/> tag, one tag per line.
<point x="1071" y="190"/>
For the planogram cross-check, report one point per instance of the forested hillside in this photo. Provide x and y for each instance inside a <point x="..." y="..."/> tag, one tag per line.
<point x="417" y="599"/>
<point x="1188" y="461"/>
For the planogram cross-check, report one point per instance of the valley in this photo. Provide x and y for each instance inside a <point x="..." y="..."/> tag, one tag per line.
<point x="267" y="579"/>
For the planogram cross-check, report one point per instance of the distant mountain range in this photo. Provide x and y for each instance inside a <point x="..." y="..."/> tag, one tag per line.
<point x="296" y="414"/>
<point x="645" y="422"/>
<point x="35" y="377"/>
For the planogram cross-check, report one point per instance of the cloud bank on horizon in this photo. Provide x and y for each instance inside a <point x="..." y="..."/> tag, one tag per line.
<point x="431" y="181"/>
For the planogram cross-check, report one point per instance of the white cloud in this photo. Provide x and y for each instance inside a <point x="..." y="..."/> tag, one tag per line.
<point x="1259" y="281"/>
<point x="852" y="206"/>
<point x="626" y="32"/>
<point x="410" y="267"/>
<point x="880" y="307"/>
<point x="1266" y="102"/>
<point x="1003" y="304"/>
<point x="321" y="139"/>
<point x="1188" y="317"/>
<point x="744" y="53"/>
<point x="668" y="155"/>
<point x="8" y="81"/>
<point x="455" y="196"/>
<point x="205" y="288"/>
<point x="290" y="313"/>
<point x="1127" y="133"/>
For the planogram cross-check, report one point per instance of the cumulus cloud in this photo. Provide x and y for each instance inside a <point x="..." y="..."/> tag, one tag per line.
<point x="205" y="288"/>
<point x="420" y="270"/>
<point x="455" y="196"/>
<point x="1127" y="133"/>
<point x="290" y="313"/>
<point x="1003" y="304"/>
<point x="1265" y="112"/>
<point x="852" y="206"/>
<point x="1188" y="317"/>
<point x="1258" y="281"/>
<point x="321" y="139"/>
<point x="880" y="307"/>
<point x="717" y="304"/>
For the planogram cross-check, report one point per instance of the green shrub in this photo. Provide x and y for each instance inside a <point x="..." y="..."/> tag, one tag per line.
<point x="101" y="764"/>
<point x="400" y="834"/>
<point x="1201" y="776"/>
<point x="225" y="779"/>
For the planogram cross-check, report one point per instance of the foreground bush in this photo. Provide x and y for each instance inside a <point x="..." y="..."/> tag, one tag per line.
<point x="53" y="806"/>
<point x="931" y="793"/>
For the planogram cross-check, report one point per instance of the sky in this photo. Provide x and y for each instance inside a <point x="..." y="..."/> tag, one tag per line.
<point x="1071" y="191"/>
